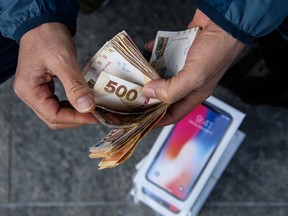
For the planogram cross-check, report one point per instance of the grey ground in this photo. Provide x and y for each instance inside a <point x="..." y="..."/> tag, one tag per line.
<point x="46" y="172"/>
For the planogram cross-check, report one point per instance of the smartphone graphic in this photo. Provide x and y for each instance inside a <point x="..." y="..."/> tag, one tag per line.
<point x="187" y="150"/>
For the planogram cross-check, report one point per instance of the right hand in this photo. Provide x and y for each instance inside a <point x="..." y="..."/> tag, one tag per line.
<point x="46" y="52"/>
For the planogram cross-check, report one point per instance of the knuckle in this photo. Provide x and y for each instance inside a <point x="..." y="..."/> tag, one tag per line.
<point x="50" y="122"/>
<point x="54" y="126"/>
<point x="166" y="93"/>
<point x="167" y="97"/>
<point x="76" y="86"/>
<point x="17" y="88"/>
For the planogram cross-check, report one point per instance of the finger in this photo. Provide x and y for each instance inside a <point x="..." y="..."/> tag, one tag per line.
<point x="199" y="20"/>
<point x="149" y="45"/>
<point x="171" y="90"/>
<point x="57" y="126"/>
<point x="41" y="99"/>
<point x="78" y="92"/>
<point x="62" y="117"/>
<point x="56" y="115"/>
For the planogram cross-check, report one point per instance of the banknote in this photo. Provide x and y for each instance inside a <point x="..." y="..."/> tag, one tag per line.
<point x="112" y="62"/>
<point x="118" y="94"/>
<point x="116" y="74"/>
<point x="116" y="119"/>
<point x="170" y="51"/>
<point x="119" y="144"/>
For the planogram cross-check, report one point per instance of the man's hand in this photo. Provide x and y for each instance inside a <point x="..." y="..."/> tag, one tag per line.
<point x="210" y="55"/>
<point x="46" y="52"/>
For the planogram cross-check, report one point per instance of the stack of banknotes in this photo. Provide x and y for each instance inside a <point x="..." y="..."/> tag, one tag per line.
<point x="116" y="74"/>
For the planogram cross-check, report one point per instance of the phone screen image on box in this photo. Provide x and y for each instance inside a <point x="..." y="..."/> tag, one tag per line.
<point x="187" y="149"/>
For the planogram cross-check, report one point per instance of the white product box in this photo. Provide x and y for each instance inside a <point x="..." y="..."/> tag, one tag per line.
<point x="188" y="158"/>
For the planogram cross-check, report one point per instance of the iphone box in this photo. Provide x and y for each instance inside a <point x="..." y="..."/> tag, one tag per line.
<point x="188" y="158"/>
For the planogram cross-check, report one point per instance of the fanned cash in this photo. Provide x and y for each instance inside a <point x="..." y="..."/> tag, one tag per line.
<point x="116" y="74"/>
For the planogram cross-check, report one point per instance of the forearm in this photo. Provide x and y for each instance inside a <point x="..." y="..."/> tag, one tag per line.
<point x="245" y="19"/>
<point x="18" y="17"/>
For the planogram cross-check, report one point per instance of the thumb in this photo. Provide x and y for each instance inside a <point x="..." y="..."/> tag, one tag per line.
<point x="169" y="91"/>
<point x="78" y="92"/>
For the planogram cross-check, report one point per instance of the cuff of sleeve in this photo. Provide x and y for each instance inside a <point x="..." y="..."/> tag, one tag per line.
<point x="37" y="21"/>
<point x="225" y="24"/>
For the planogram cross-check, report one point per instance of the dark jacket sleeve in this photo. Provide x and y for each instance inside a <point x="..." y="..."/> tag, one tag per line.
<point x="246" y="19"/>
<point x="19" y="16"/>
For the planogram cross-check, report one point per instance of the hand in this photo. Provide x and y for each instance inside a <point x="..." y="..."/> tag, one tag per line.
<point x="211" y="53"/>
<point x="46" y="52"/>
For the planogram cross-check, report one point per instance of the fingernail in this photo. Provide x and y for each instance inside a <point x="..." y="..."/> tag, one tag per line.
<point x="146" y="46"/>
<point x="149" y="92"/>
<point x="84" y="103"/>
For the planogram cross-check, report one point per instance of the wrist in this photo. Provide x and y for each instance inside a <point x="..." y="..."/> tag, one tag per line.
<point x="44" y="30"/>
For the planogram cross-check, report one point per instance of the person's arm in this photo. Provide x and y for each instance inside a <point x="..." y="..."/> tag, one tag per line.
<point x="245" y="19"/>
<point x="216" y="46"/>
<point x="19" y="16"/>
<point x="44" y="31"/>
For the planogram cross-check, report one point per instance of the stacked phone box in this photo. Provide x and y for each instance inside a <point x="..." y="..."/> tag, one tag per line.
<point x="188" y="158"/>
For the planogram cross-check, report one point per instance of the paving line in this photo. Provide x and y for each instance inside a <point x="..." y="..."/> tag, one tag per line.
<point x="97" y="204"/>
<point x="247" y="204"/>
<point x="59" y="204"/>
